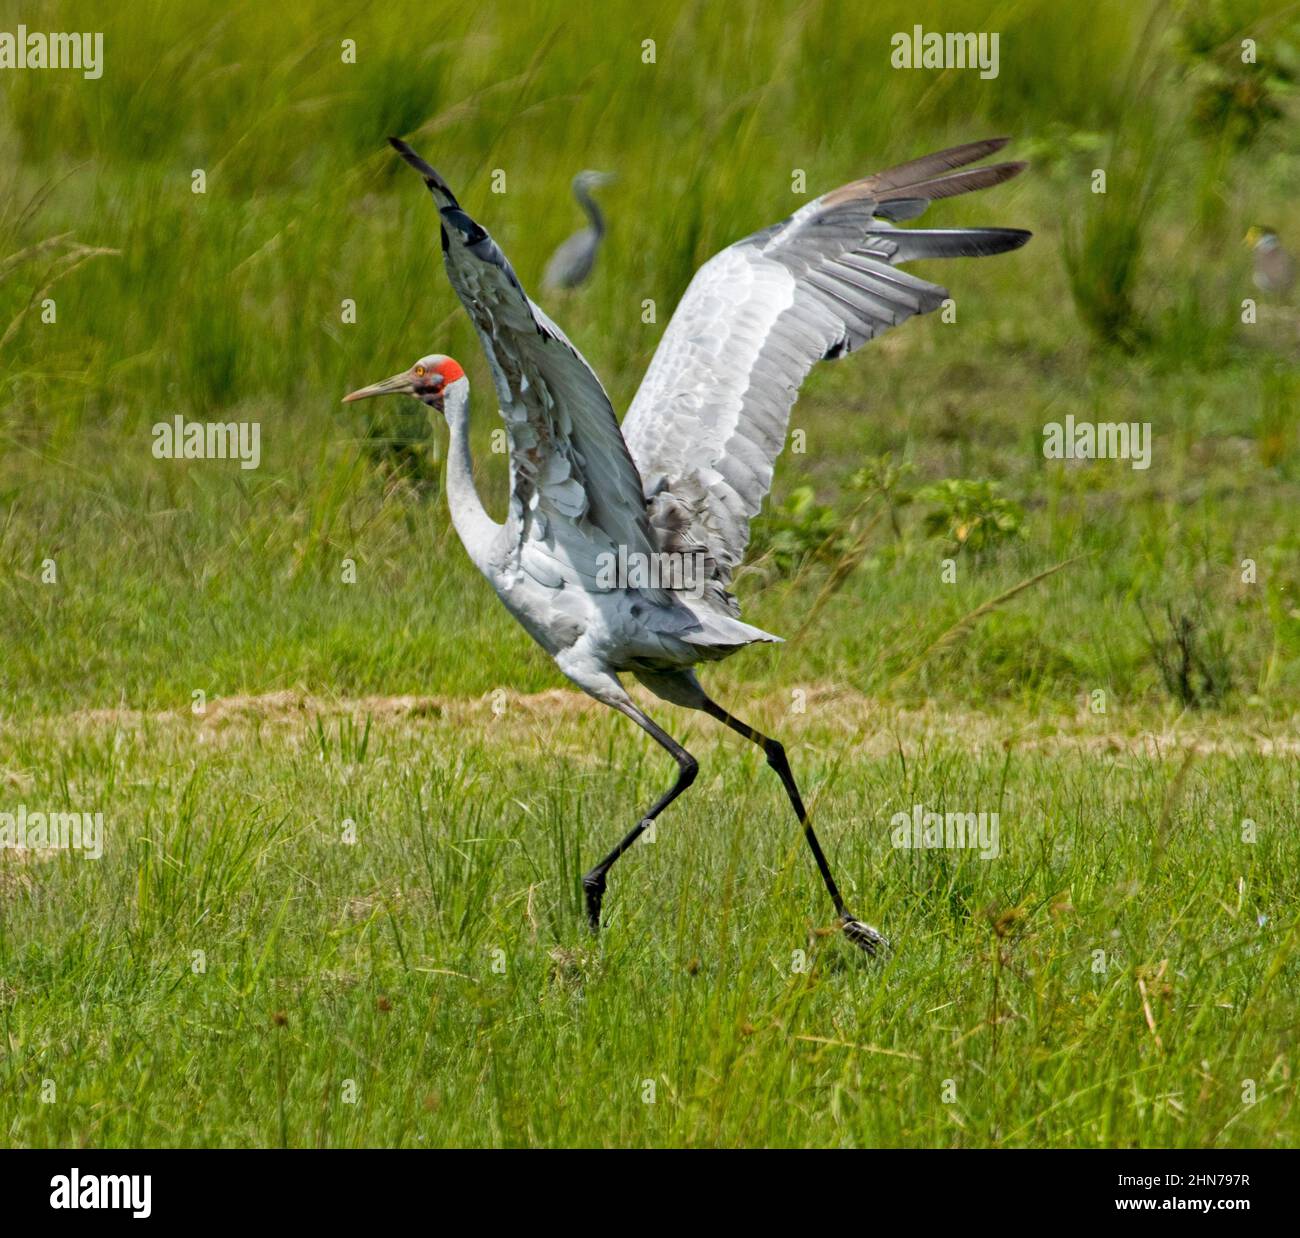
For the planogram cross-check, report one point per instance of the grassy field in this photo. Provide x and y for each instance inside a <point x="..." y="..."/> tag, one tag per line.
<point x="344" y="822"/>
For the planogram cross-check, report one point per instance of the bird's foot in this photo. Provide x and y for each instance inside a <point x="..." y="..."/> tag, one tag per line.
<point x="593" y="886"/>
<point x="863" y="935"/>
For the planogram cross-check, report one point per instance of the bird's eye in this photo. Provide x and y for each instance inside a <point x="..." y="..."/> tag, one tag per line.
<point x="419" y="371"/>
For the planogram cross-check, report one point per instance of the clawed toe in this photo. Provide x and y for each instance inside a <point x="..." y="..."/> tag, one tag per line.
<point x="863" y="935"/>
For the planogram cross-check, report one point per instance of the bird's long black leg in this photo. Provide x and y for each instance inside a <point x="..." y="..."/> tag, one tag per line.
<point x="593" y="884"/>
<point x="854" y="929"/>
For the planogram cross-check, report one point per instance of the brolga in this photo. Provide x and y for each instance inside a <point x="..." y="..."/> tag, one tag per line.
<point x="571" y="263"/>
<point x="593" y="509"/>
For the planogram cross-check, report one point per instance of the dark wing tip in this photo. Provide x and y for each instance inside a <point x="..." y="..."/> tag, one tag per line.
<point x="431" y="177"/>
<point x="917" y="243"/>
<point x="410" y="156"/>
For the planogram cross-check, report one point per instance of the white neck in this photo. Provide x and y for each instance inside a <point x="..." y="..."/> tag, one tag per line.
<point x="473" y="525"/>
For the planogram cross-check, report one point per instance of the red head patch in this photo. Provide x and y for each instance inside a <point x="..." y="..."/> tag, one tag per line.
<point x="450" y="370"/>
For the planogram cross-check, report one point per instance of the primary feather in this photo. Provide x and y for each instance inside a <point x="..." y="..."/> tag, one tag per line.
<point x="712" y="413"/>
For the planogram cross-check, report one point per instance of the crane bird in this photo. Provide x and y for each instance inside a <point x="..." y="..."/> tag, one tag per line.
<point x="572" y="261"/>
<point x="694" y="458"/>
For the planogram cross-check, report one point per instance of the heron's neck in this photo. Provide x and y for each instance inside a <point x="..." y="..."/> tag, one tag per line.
<point x="474" y="526"/>
<point x="588" y="204"/>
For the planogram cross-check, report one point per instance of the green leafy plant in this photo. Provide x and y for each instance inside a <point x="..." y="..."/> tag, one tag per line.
<point x="798" y="530"/>
<point x="970" y="514"/>
<point x="889" y="481"/>
<point x="1234" y="98"/>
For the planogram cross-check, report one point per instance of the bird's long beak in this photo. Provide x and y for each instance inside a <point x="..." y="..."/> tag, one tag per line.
<point x="399" y="384"/>
<point x="1253" y="237"/>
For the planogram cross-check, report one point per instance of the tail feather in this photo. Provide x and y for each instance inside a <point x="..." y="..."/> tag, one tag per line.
<point x="718" y="636"/>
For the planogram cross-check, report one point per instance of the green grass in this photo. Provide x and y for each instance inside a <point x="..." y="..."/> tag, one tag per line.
<point x="374" y="962"/>
<point x="439" y="963"/>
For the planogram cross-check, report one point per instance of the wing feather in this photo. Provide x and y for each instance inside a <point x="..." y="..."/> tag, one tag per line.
<point x="574" y="486"/>
<point x="711" y="415"/>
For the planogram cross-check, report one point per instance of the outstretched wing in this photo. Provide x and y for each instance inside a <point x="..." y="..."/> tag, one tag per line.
<point x="711" y="415"/>
<point x="575" y="492"/>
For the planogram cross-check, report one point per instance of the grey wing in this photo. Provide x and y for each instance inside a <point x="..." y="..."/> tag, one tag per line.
<point x="711" y="415"/>
<point x="575" y="492"/>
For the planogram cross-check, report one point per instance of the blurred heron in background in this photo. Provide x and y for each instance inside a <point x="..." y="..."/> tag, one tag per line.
<point x="572" y="262"/>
